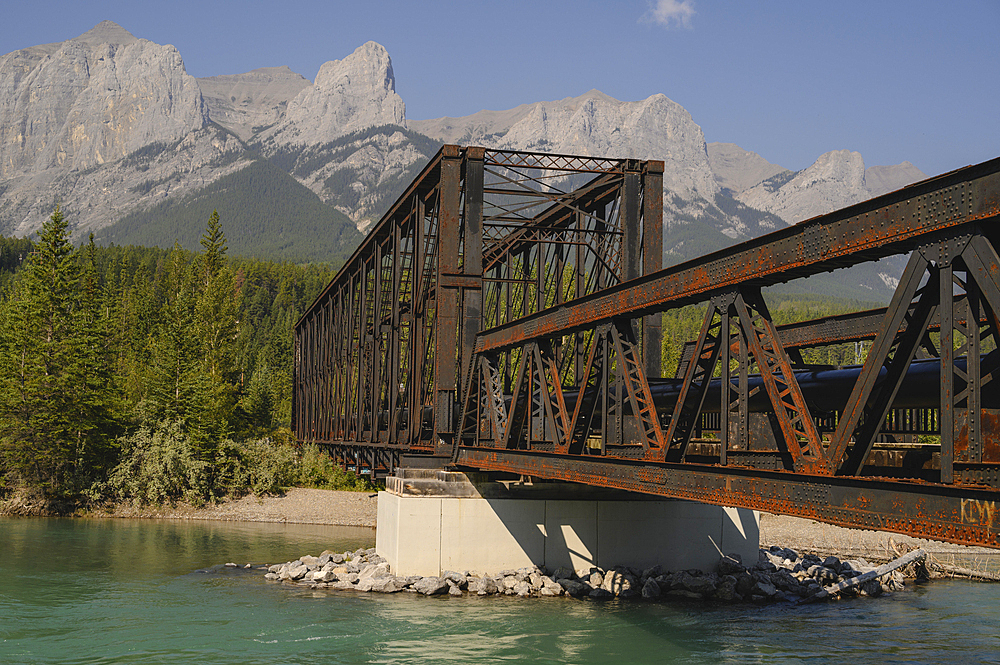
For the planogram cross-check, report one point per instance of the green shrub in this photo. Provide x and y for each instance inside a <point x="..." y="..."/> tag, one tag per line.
<point x="317" y="470"/>
<point x="259" y="466"/>
<point x="159" y="465"/>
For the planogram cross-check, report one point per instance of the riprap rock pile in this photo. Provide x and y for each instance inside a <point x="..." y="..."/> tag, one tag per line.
<point x="780" y="574"/>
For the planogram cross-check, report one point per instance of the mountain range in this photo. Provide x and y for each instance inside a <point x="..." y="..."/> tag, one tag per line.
<point x="114" y="129"/>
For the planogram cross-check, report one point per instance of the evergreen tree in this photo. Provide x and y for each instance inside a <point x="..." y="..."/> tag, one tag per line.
<point x="52" y="410"/>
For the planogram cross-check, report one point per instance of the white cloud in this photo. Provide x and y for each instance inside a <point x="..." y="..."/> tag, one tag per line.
<point x="671" y="12"/>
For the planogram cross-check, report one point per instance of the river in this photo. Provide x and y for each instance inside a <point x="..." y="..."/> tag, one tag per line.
<point x="82" y="591"/>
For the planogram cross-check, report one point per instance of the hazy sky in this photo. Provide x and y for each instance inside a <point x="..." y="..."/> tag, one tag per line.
<point x="916" y="81"/>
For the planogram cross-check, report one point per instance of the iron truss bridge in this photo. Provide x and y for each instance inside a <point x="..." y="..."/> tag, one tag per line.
<point x="505" y="316"/>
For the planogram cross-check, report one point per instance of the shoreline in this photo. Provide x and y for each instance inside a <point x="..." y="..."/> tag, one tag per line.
<point x="299" y="505"/>
<point x="296" y="505"/>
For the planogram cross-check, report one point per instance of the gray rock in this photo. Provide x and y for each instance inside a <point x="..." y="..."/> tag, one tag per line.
<point x="342" y="585"/>
<point x="453" y="590"/>
<point x="324" y="576"/>
<point x="620" y="583"/>
<point x="574" y="588"/>
<point x="701" y="585"/>
<point x="730" y="564"/>
<point x="764" y="589"/>
<point x="596" y="579"/>
<point x="651" y="589"/>
<point x="833" y="563"/>
<point x="535" y="580"/>
<point x="460" y="579"/>
<point x="563" y="573"/>
<point x="297" y="572"/>
<point x="652" y="572"/>
<point x="509" y="582"/>
<point x="430" y="586"/>
<point x="765" y="566"/>
<point x="601" y="594"/>
<point x="365" y="584"/>
<point x="374" y="571"/>
<point x="726" y="591"/>
<point x="272" y="576"/>
<point x="351" y="578"/>
<point x="550" y="590"/>
<point x="388" y="584"/>
<point x="871" y="587"/>
<point x="483" y="586"/>
<point x="522" y="588"/>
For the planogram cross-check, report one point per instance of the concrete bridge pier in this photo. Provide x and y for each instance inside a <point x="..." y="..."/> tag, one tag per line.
<point x="430" y="521"/>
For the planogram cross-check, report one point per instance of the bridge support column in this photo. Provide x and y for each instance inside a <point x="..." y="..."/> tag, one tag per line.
<point x="431" y="521"/>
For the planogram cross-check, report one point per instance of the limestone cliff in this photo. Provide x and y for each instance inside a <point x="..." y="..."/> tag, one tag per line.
<point x="92" y="100"/>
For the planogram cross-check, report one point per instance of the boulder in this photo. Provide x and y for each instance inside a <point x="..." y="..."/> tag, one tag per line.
<point x="574" y="588"/>
<point x="374" y="571"/>
<point x="550" y="588"/>
<point x="601" y="594"/>
<point x="731" y="564"/>
<point x="563" y="573"/>
<point x="483" y="586"/>
<point x="430" y="586"/>
<point x="651" y="589"/>
<point x="620" y="583"/>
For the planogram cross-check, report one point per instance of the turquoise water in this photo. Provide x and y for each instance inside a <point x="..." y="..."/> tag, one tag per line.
<point x="134" y="591"/>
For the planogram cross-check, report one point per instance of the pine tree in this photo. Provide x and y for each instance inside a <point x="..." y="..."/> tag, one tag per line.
<point x="52" y="410"/>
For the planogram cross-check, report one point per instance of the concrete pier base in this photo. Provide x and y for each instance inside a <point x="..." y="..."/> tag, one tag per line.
<point x="432" y="521"/>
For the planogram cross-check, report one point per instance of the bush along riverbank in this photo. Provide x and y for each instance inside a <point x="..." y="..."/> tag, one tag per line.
<point x="779" y="575"/>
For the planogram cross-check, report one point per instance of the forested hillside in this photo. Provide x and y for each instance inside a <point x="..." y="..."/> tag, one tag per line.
<point x="269" y="215"/>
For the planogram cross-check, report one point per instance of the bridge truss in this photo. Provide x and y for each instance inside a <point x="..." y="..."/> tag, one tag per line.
<point x="504" y="316"/>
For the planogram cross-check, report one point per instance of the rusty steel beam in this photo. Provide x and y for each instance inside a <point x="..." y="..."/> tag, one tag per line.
<point x="891" y="224"/>
<point x="963" y="515"/>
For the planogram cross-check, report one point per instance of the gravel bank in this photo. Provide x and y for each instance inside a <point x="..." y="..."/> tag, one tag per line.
<point x="296" y="506"/>
<point x="805" y="535"/>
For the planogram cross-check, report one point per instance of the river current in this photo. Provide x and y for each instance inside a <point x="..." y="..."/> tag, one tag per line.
<point x="136" y="591"/>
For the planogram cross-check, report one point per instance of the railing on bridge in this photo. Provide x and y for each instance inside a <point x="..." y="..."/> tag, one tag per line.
<point x="508" y="302"/>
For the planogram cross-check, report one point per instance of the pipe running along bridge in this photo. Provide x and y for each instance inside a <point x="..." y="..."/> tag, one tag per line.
<point x="504" y="316"/>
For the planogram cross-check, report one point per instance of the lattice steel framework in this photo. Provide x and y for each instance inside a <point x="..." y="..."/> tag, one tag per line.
<point x="511" y="302"/>
<point x="481" y="238"/>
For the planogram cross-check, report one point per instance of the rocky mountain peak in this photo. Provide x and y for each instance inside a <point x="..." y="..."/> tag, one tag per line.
<point x="835" y="180"/>
<point x="106" y="32"/>
<point x="594" y="124"/>
<point x="737" y="169"/>
<point x="92" y="100"/>
<point x="349" y="95"/>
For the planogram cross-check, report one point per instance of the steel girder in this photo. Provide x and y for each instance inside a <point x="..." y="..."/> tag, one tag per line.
<point x="950" y="288"/>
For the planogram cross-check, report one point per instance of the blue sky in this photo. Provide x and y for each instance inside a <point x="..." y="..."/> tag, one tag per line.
<point x="916" y="81"/>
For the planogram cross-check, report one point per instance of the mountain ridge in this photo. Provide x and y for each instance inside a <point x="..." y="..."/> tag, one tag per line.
<point x="345" y="136"/>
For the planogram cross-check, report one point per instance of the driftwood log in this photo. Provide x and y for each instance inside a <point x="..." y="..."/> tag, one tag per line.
<point x="905" y="560"/>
